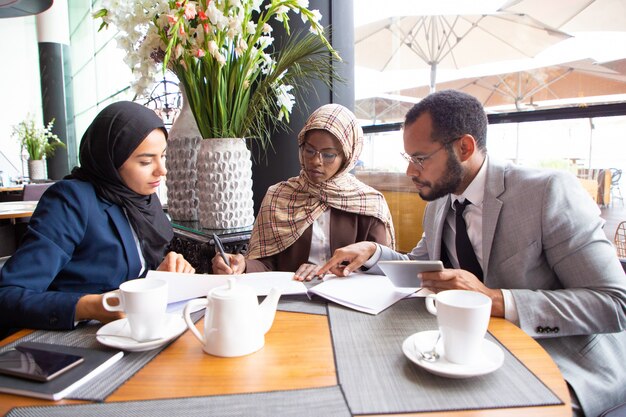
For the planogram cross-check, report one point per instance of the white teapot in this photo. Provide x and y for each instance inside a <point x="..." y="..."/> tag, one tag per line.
<point x="234" y="323"/>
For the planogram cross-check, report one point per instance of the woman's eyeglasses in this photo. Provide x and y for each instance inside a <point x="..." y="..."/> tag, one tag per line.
<point x="309" y="153"/>
<point x="418" y="161"/>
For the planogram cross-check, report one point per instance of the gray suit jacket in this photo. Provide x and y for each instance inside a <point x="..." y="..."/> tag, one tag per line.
<point x="543" y="240"/>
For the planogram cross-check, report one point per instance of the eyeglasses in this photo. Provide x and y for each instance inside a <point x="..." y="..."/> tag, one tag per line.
<point x="309" y="153"/>
<point x="418" y="161"/>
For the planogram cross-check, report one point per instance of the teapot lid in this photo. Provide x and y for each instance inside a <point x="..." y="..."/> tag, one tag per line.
<point x="232" y="290"/>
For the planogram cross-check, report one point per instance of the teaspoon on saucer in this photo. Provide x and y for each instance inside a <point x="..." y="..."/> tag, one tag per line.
<point x="430" y="355"/>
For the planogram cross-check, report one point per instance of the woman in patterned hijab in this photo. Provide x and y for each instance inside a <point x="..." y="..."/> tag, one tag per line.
<point x="304" y="219"/>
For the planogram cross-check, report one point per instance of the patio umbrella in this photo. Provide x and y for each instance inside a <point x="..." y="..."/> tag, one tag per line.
<point x="574" y="15"/>
<point x="384" y="108"/>
<point x="579" y="81"/>
<point x="413" y="42"/>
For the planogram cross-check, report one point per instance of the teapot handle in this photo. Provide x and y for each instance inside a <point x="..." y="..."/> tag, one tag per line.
<point x="204" y="302"/>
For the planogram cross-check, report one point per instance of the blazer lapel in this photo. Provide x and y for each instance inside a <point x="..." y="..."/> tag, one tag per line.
<point x="126" y="235"/>
<point x="439" y="222"/>
<point x="494" y="187"/>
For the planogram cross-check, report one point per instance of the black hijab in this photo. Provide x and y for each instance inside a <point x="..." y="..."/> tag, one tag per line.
<point x="108" y="142"/>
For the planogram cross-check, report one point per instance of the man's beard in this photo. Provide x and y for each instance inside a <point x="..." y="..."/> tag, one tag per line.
<point x="446" y="185"/>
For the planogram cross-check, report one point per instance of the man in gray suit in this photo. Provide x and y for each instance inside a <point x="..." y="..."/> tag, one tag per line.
<point x="542" y="255"/>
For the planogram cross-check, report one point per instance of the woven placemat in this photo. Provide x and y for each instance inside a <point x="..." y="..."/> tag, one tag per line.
<point x="327" y="402"/>
<point x="98" y="389"/>
<point x="302" y="303"/>
<point x="377" y="378"/>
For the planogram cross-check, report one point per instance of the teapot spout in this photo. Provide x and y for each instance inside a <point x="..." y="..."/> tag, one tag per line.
<point x="267" y="310"/>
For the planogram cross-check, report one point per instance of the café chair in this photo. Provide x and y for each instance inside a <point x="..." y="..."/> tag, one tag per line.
<point x="33" y="192"/>
<point x="620" y="243"/>
<point x="616" y="193"/>
<point x="620" y="240"/>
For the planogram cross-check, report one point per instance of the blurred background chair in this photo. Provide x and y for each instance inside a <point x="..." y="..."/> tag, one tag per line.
<point x="620" y="243"/>
<point x="616" y="193"/>
<point x="33" y="192"/>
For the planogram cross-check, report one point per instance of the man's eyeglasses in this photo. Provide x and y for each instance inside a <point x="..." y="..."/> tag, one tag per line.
<point x="418" y="161"/>
<point x="309" y="153"/>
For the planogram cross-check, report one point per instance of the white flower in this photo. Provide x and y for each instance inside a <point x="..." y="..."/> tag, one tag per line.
<point x="285" y="100"/>
<point x="213" y="48"/>
<point x="265" y="41"/>
<point x="256" y="5"/>
<point x="241" y="47"/>
<point x="281" y="13"/>
<point x="250" y="27"/>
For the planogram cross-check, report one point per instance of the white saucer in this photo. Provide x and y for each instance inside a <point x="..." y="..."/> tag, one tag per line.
<point x="491" y="357"/>
<point x="174" y="326"/>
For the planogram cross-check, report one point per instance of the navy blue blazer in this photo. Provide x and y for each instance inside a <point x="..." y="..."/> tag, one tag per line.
<point x="76" y="244"/>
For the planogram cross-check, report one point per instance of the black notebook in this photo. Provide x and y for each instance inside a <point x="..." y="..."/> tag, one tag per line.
<point x="95" y="362"/>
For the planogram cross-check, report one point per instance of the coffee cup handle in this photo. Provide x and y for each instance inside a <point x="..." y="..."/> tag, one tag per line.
<point x="204" y="302"/>
<point x="430" y="304"/>
<point x="112" y="295"/>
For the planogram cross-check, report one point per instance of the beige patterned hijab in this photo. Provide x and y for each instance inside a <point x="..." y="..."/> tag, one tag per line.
<point x="291" y="206"/>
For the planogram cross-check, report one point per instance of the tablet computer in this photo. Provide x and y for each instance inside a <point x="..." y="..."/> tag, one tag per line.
<point x="404" y="273"/>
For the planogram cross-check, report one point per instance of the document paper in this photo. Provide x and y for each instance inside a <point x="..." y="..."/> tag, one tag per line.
<point x="183" y="287"/>
<point x="362" y="292"/>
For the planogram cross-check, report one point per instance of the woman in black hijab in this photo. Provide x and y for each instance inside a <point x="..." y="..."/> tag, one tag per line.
<point x="97" y="228"/>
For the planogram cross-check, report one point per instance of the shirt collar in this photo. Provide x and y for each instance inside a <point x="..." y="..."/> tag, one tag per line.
<point x="475" y="191"/>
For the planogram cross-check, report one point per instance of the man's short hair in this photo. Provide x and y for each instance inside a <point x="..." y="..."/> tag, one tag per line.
<point x="453" y="114"/>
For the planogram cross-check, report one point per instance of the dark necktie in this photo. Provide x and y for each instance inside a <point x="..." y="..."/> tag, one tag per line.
<point x="464" y="250"/>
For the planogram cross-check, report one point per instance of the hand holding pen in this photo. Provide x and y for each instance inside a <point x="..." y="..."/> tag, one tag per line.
<point x="219" y="248"/>
<point x="224" y="263"/>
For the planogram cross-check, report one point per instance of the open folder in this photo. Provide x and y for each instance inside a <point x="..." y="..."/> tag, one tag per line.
<point x="362" y="292"/>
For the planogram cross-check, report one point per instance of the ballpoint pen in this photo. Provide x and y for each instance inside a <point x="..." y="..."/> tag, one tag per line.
<point x="220" y="248"/>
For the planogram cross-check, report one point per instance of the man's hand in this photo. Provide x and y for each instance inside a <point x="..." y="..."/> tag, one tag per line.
<point x="459" y="279"/>
<point x="175" y="262"/>
<point x="89" y="307"/>
<point x="355" y="255"/>
<point x="237" y="264"/>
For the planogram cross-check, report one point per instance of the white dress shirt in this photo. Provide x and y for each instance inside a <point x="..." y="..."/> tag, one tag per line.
<point x="320" y="240"/>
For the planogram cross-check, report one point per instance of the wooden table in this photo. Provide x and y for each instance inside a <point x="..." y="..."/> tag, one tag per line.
<point x="12" y="188"/>
<point x="17" y="209"/>
<point x="298" y="354"/>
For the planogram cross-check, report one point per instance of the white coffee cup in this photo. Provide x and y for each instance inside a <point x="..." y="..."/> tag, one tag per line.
<point x="462" y="317"/>
<point x="144" y="301"/>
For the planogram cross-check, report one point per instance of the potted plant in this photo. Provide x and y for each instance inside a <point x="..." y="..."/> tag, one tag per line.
<point x="236" y="83"/>
<point x="39" y="143"/>
<point x="222" y="52"/>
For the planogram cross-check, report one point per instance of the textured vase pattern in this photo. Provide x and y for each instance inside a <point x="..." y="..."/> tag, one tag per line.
<point x="182" y="195"/>
<point x="37" y="169"/>
<point x="182" y="150"/>
<point x="224" y="184"/>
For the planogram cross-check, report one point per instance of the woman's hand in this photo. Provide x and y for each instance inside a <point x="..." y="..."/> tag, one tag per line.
<point x="89" y="307"/>
<point x="306" y="272"/>
<point x="237" y="264"/>
<point x="175" y="262"/>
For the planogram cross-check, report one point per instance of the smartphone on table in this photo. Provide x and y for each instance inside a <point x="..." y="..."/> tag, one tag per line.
<point x="36" y="364"/>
